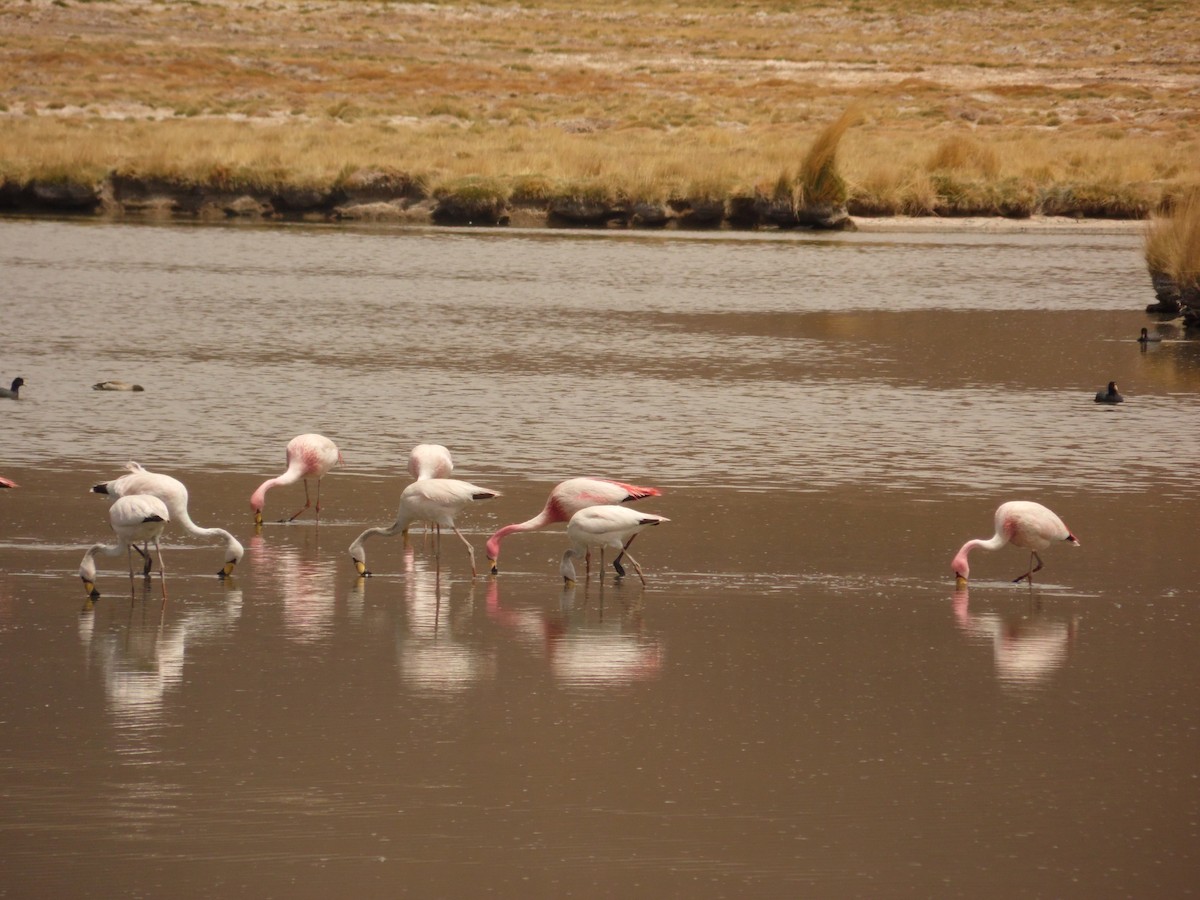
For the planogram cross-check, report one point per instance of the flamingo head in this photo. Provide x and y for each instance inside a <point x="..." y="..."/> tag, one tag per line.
<point x="235" y="553"/>
<point x="257" y="500"/>
<point x="87" y="574"/>
<point x="961" y="570"/>
<point x="567" y="568"/>
<point x="359" y="556"/>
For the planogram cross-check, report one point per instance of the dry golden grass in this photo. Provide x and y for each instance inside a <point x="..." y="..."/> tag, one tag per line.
<point x="1172" y="242"/>
<point x="1008" y="108"/>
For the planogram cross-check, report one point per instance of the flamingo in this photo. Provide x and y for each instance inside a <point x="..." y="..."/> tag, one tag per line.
<point x="567" y="498"/>
<point x="605" y="526"/>
<point x="436" y="500"/>
<point x="1112" y="395"/>
<point x="136" y="518"/>
<point x="14" y="392"/>
<point x="6" y="483"/>
<point x="1023" y="524"/>
<point x="308" y="456"/>
<point x="430" y="461"/>
<point x="173" y="493"/>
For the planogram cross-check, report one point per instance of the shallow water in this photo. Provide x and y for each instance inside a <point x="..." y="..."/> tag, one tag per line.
<point x="799" y="702"/>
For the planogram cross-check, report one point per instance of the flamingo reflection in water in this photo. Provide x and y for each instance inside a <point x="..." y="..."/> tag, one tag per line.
<point x="586" y="646"/>
<point x="141" y="659"/>
<point x="1027" y="649"/>
<point x="306" y="583"/>
<point x="436" y="655"/>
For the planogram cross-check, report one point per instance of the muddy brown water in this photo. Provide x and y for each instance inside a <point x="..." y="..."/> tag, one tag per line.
<point x="798" y="704"/>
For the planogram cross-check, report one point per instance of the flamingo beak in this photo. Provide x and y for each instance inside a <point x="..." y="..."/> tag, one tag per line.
<point x="492" y="566"/>
<point x="1074" y="540"/>
<point x="361" y="567"/>
<point x="227" y="569"/>
<point x="568" y="582"/>
<point x="258" y="517"/>
<point x="90" y="587"/>
<point x="959" y="581"/>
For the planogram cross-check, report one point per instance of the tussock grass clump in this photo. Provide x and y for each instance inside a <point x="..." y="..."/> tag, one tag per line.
<point x="819" y="182"/>
<point x="1172" y="241"/>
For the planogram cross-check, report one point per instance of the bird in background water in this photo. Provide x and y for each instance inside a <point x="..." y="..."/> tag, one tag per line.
<point x="1148" y="338"/>
<point x="436" y="500"/>
<point x="1111" y="395"/>
<point x="308" y="456"/>
<point x="1023" y="524"/>
<point x="565" y="500"/>
<point x="137" y="519"/>
<point x="606" y="527"/>
<point x="116" y="386"/>
<point x="174" y="494"/>
<point x="13" y="392"/>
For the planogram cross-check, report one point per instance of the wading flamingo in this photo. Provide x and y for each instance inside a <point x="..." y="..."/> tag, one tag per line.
<point x="1112" y="395"/>
<point x="1023" y="524"/>
<point x="136" y="518"/>
<point x="172" y="492"/>
<point x="14" y="392"/>
<point x="5" y="483"/>
<point x="608" y="526"/>
<point x="429" y="461"/>
<point x="436" y="500"/>
<point x="567" y="498"/>
<point x="308" y="456"/>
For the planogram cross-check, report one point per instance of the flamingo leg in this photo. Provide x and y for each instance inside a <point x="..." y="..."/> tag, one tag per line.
<point x="162" y="573"/>
<point x="145" y="554"/>
<point x="617" y="561"/>
<point x="1032" y="568"/>
<point x="470" y="549"/>
<point x="636" y="567"/>
<point x="308" y="502"/>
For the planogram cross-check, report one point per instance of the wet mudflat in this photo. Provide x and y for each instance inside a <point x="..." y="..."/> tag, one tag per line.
<point x="799" y="702"/>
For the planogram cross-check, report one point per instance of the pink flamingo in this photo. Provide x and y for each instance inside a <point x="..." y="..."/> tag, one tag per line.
<point x="430" y="461"/>
<point x="1023" y="524"/>
<point x="567" y="498"/>
<point x="308" y="456"/>
<point x="436" y="500"/>
<point x="5" y="483"/>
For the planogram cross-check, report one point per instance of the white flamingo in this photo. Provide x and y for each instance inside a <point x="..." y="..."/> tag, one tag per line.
<point x="1023" y="524"/>
<point x="430" y="461"/>
<point x="136" y="518"/>
<point x="567" y="498"/>
<point x="174" y="494"/>
<point x="611" y="527"/>
<point x="436" y="500"/>
<point x="308" y="456"/>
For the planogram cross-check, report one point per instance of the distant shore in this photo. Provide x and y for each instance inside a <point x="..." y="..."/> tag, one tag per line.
<point x="161" y="203"/>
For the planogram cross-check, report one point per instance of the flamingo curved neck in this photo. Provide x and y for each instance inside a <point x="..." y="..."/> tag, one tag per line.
<point x="538" y="522"/>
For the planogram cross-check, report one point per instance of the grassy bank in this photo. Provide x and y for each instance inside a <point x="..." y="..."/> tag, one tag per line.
<point x="995" y="109"/>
